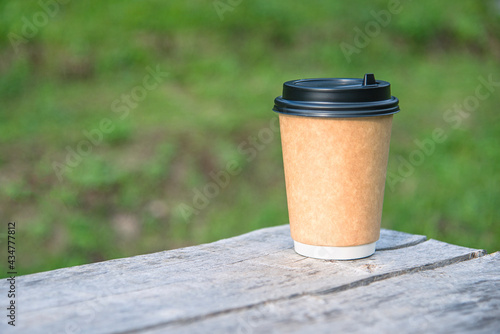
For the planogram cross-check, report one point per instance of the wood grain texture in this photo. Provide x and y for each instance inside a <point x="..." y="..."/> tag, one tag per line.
<point x="459" y="298"/>
<point x="182" y="289"/>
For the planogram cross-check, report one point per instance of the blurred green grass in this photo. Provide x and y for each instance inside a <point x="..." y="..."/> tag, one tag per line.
<point x="126" y="196"/>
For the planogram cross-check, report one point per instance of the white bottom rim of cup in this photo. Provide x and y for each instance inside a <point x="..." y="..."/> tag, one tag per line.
<point x="334" y="253"/>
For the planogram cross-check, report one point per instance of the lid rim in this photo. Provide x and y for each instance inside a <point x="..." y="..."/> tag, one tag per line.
<point x="339" y="113"/>
<point x="332" y="105"/>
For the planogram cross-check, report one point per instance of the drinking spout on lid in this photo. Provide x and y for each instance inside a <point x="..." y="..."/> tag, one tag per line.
<point x="369" y="79"/>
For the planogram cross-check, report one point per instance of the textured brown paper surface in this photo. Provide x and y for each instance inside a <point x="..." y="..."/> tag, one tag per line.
<point x="335" y="171"/>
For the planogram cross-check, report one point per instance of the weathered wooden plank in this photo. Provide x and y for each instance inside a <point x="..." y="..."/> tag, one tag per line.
<point x="459" y="298"/>
<point x="185" y="285"/>
<point x="151" y="270"/>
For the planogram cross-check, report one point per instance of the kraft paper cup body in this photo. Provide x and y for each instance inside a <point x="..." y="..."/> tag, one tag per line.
<point x="335" y="170"/>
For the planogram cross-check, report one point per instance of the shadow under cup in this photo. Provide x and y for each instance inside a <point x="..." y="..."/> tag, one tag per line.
<point x="335" y="136"/>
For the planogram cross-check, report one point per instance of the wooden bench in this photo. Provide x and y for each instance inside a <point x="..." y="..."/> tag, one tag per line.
<point x="256" y="283"/>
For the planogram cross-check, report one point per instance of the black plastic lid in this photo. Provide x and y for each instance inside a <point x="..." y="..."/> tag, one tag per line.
<point x="337" y="97"/>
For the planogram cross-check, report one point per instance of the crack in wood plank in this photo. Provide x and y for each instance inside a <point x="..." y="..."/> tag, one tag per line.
<point x="409" y="244"/>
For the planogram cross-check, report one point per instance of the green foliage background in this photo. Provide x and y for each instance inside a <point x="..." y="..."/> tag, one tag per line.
<point x="126" y="196"/>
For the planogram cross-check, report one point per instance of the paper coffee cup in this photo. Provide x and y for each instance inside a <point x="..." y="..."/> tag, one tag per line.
<point x="335" y="137"/>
